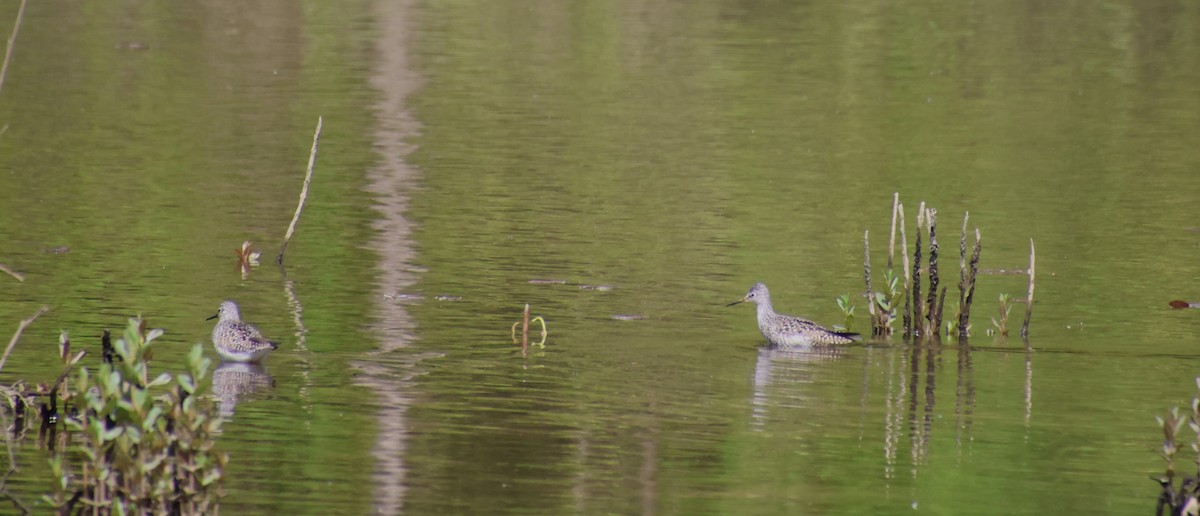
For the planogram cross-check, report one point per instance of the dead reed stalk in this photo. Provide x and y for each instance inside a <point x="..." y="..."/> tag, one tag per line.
<point x="892" y="242"/>
<point x="962" y="264"/>
<point x="964" y="318"/>
<point x="918" y="305"/>
<point x="1029" y="296"/>
<point x="931" y="310"/>
<point x="312" y="159"/>
<point x="12" y="39"/>
<point x="15" y="274"/>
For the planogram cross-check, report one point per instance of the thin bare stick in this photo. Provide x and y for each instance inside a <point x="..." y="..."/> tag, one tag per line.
<point x="312" y="159"/>
<point x="867" y="275"/>
<point x="17" y="336"/>
<point x="525" y="329"/>
<point x="70" y="366"/>
<point x="892" y="242"/>
<point x="907" y="272"/>
<point x="15" y="274"/>
<point x="12" y="39"/>
<point x="1028" y="298"/>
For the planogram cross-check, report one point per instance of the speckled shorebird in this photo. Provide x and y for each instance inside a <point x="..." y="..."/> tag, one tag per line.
<point x="236" y="340"/>
<point x="786" y="330"/>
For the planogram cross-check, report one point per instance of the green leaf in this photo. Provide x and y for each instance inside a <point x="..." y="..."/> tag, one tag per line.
<point x="113" y="433"/>
<point x="194" y="356"/>
<point x="151" y="418"/>
<point x="185" y="381"/>
<point x="112" y="384"/>
<point x="162" y="379"/>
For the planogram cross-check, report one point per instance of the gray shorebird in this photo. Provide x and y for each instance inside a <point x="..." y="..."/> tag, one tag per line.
<point x="236" y="340"/>
<point x="789" y="331"/>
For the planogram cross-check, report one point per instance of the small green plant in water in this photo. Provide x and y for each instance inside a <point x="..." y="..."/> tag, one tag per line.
<point x="847" y="308"/>
<point x="143" y="445"/>
<point x="886" y="302"/>
<point x="1001" y="325"/>
<point x="524" y="324"/>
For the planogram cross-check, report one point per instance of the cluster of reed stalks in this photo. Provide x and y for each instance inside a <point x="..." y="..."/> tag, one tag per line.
<point x="899" y="306"/>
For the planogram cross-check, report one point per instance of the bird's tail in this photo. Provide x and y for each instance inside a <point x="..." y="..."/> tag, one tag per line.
<point x="856" y="337"/>
<point x="274" y="345"/>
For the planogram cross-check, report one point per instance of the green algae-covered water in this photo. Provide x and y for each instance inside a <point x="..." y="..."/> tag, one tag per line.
<point x="653" y="159"/>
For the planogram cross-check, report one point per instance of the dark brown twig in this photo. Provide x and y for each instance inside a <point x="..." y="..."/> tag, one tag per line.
<point x="918" y="305"/>
<point x="962" y="267"/>
<point x="934" y="249"/>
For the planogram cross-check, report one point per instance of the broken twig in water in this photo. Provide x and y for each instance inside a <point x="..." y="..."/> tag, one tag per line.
<point x="20" y="277"/>
<point x="17" y="336"/>
<point x="312" y="159"/>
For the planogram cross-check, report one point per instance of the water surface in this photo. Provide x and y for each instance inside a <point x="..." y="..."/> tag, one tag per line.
<point x="673" y="154"/>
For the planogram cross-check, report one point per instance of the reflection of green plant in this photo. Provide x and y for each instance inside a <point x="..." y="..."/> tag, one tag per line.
<point x="1002" y="324"/>
<point x="1187" y="499"/>
<point x="847" y="308"/>
<point x="140" y="451"/>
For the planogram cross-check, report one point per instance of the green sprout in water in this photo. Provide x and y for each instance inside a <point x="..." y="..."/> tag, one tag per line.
<point x="524" y="324"/>
<point x="847" y="308"/>
<point x="1002" y="324"/>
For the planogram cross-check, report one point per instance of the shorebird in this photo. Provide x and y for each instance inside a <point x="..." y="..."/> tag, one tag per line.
<point x="235" y="340"/>
<point x="789" y="331"/>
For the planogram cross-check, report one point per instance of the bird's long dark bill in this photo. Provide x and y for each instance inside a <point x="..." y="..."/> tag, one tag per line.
<point x="213" y="317"/>
<point x="736" y="302"/>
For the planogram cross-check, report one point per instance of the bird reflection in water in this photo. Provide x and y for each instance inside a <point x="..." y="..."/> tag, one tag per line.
<point x="234" y="382"/>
